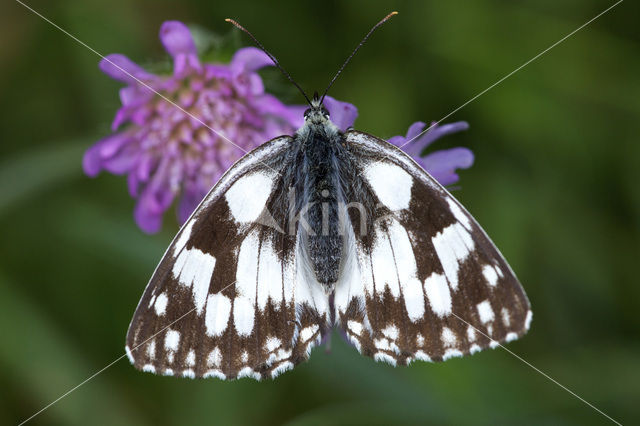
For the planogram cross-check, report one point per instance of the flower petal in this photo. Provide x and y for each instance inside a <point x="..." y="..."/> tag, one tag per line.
<point x="132" y="96"/>
<point x="110" y="145"/>
<point x="437" y="131"/>
<point x="343" y="114"/>
<point x="94" y="158"/>
<point x="182" y="63"/>
<point x="417" y="139"/>
<point x="269" y="104"/>
<point x="414" y="130"/>
<point x="121" y="163"/>
<point x="249" y="59"/>
<point x="176" y="38"/>
<point x="397" y="140"/>
<point x="149" y="221"/>
<point x="154" y="201"/>
<point x="121" y="68"/>
<point x="442" y="164"/>
<point x="191" y="197"/>
<point x="91" y="161"/>
<point x="133" y="183"/>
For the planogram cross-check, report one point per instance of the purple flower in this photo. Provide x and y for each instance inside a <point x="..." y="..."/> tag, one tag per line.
<point x="168" y="154"/>
<point x="343" y="114"/>
<point x="441" y="164"/>
<point x="171" y="152"/>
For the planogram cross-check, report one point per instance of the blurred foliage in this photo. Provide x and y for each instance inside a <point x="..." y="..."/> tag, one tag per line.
<point x="555" y="184"/>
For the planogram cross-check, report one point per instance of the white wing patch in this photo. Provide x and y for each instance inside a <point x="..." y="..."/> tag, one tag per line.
<point x="384" y="268"/>
<point x="246" y="282"/>
<point x="527" y="321"/>
<point x="160" y="304"/>
<point x="190" y="360"/>
<point x="391" y="184"/>
<point x="248" y="195"/>
<point x="407" y="271"/>
<point x="217" y="315"/>
<point x="285" y="366"/>
<point x="490" y="275"/>
<point x="194" y="268"/>
<point x="437" y="291"/>
<point x="448" y="337"/>
<point x="171" y="343"/>
<point x="185" y="234"/>
<point x="485" y="311"/>
<point x="151" y="349"/>
<point x="269" y="276"/>
<point x="453" y="244"/>
<point x="458" y="213"/>
<point x="214" y="359"/>
<point x="391" y="332"/>
<point x="243" y="315"/>
<point x="272" y="343"/>
<point x="355" y="327"/>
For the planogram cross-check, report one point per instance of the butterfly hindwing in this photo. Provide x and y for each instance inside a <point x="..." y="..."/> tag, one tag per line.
<point x="203" y="313"/>
<point x="427" y="281"/>
<point x="236" y="294"/>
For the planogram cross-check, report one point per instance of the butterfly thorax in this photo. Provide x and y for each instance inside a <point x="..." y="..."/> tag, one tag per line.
<point x="320" y="228"/>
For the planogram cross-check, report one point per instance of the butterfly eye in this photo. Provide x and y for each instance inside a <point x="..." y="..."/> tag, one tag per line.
<point x="325" y="112"/>
<point x="307" y="112"/>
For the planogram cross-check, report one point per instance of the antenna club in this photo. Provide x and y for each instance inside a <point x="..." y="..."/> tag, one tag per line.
<point x="237" y="25"/>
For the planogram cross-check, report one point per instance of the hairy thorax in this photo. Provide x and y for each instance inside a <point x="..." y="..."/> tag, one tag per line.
<point x="321" y="228"/>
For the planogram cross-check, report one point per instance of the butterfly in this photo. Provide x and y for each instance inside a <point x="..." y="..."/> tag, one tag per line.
<point x="319" y="230"/>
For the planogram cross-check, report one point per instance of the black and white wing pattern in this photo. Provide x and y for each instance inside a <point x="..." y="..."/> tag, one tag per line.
<point x="203" y="314"/>
<point x="424" y="280"/>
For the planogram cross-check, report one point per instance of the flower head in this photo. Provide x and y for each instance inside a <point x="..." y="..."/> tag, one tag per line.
<point x="440" y="164"/>
<point x="170" y="151"/>
<point x="175" y="135"/>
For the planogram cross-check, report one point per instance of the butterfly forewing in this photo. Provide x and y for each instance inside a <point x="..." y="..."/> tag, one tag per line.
<point x="427" y="282"/>
<point x="226" y="300"/>
<point x="244" y="291"/>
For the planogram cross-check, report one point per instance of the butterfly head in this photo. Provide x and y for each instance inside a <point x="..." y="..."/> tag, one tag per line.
<point x="317" y="113"/>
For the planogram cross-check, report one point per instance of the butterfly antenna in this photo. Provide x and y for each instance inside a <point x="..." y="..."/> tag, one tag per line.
<point x="385" y="19"/>
<point x="275" y="61"/>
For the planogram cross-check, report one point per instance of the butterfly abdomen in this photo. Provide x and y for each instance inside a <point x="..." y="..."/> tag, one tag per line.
<point x="322" y="199"/>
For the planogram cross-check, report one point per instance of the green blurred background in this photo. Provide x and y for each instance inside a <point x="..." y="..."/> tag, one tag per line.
<point x="555" y="184"/>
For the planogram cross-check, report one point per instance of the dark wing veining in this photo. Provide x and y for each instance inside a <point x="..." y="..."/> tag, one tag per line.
<point x="203" y="313"/>
<point x="427" y="282"/>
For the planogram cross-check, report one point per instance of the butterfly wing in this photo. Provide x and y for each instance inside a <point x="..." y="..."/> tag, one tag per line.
<point x="426" y="281"/>
<point x="228" y="299"/>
